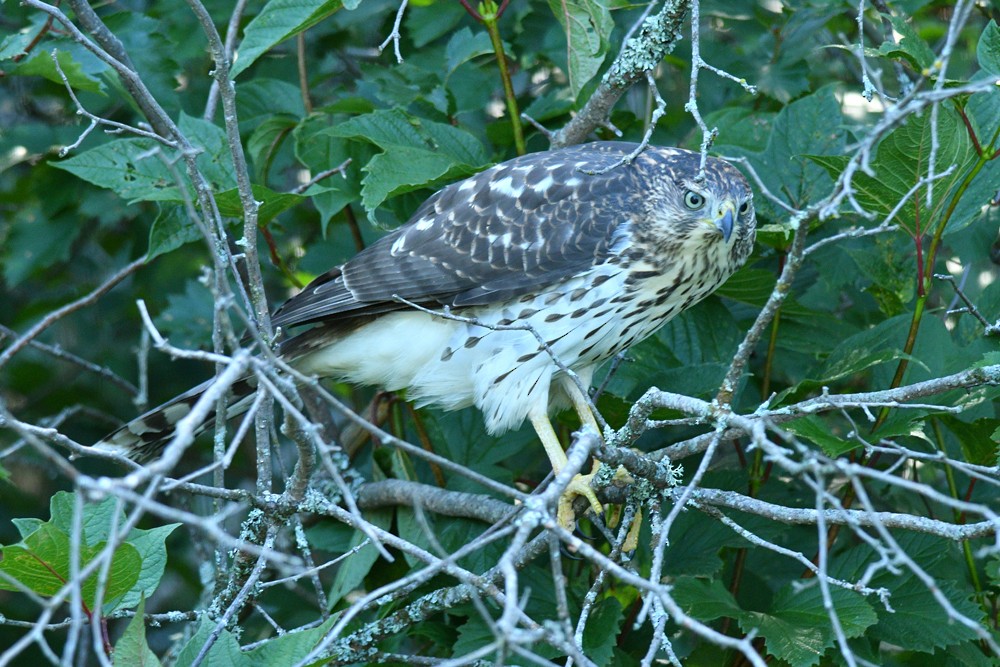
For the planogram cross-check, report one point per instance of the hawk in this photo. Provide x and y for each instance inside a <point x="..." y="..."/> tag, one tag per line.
<point x="577" y="246"/>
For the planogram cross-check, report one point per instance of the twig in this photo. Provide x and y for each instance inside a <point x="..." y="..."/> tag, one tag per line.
<point x="394" y="36"/>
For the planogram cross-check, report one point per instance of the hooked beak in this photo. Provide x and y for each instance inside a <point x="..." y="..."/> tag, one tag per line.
<point x="725" y="221"/>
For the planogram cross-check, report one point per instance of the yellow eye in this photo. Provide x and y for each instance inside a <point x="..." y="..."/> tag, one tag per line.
<point x="693" y="200"/>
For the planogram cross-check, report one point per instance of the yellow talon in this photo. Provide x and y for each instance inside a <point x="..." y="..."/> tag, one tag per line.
<point x="578" y="486"/>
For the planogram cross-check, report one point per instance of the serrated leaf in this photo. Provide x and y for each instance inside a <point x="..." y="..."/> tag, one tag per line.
<point x="131" y="649"/>
<point x="16" y="44"/>
<point x="457" y="143"/>
<point x="404" y="169"/>
<point x="919" y="622"/>
<point x="473" y="635"/>
<point x="600" y="636"/>
<point x="384" y="128"/>
<point x="808" y="126"/>
<point x="902" y="160"/>
<point x="988" y="48"/>
<point x="129" y="167"/>
<point x="392" y="128"/>
<point x="418" y="153"/>
<point x="797" y="628"/>
<point x="279" y="20"/>
<point x="695" y="547"/>
<point x="272" y="203"/>
<point x="586" y="25"/>
<point x="215" y="160"/>
<point x="262" y="98"/>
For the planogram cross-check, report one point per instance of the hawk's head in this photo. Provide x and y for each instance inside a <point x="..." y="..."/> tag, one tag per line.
<point x="712" y="216"/>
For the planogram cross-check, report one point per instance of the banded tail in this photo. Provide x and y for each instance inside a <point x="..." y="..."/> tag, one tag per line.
<point x="144" y="438"/>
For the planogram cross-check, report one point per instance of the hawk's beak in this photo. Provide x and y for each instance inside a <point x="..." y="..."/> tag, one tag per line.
<point x="725" y="221"/>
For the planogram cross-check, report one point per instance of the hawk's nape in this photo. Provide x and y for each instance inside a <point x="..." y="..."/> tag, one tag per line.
<point x="571" y="245"/>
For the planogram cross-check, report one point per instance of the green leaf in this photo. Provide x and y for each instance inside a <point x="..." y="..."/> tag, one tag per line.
<point x="464" y="46"/>
<point x="41" y="562"/>
<point x="265" y="141"/>
<point x="96" y="523"/>
<point x="988" y="48"/>
<point x="814" y="429"/>
<point x="41" y="64"/>
<point x="696" y="546"/>
<point x="136" y="169"/>
<point x="910" y="46"/>
<point x="901" y="162"/>
<point x="356" y="566"/>
<point x="260" y="99"/>
<point x="131" y="649"/>
<point x="288" y="649"/>
<point x="919" y="623"/>
<point x="600" y="636"/>
<point x="418" y="153"/>
<point x="404" y="169"/>
<point x="978" y="439"/>
<point x="26" y="527"/>
<point x="170" y="230"/>
<point x="809" y="126"/>
<point x="272" y="203"/>
<point x="224" y="652"/>
<point x="15" y="44"/>
<point x="152" y="549"/>
<point x="96" y="520"/>
<point x="473" y="635"/>
<point x="384" y="128"/>
<point x="215" y="162"/>
<point x="797" y="628"/>
<point x="705" y="600"/>
<point x="279" y="20"/>
<point x="129" y="167"/>
<point x="586" y="25"/>
<point x="746" y="128"/>
<point x="319" y="151"/>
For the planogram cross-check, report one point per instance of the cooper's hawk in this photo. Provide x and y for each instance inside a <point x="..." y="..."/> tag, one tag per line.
<point x="591" y="256"/>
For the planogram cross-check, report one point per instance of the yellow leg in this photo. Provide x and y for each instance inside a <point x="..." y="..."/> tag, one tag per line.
<point x="582" y="407"/>
<point x="578" y="486"/>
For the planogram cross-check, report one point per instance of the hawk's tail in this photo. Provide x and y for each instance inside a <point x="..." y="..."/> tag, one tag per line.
<point x="145" y="437"/>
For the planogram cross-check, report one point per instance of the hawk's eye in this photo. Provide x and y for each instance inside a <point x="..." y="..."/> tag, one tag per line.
<point x="693" y="200"/>
<point x="744" y="208"/>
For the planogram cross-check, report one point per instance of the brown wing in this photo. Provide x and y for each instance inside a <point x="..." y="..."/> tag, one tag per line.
<point x="509" y="230"/>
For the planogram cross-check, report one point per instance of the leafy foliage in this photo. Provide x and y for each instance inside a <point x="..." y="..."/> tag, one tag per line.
<point x="857" y="522"/>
